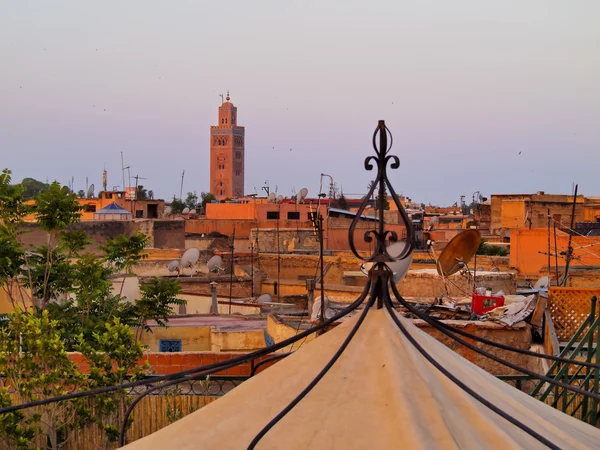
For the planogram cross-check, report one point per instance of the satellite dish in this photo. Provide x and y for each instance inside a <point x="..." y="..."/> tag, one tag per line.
<point x="173" y="266"/>
<point x="542" y="283"/>
<point x="272" y="197"/>
<point x="301" y="195"/>
<point x="193" y="211"/>
<point x="265" y="298"/>
<point x="90" y="192"/>
<point x="279" y="199"/>
<point x="399" y="267"/>
<point x="167" y="212"/>
<point x="432" y="222"/>
<point x="458" y="252"/>
<point x="186" y="210"/>
<point x="214" y="264"/>
<point x="190" y="258"/>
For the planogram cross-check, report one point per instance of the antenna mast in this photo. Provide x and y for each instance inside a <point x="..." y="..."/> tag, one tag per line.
<point x="123" y="170"/>
<point x="181" y="189"/>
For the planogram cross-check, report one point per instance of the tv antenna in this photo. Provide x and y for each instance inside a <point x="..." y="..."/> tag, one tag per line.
<point x="181" y="188"/>
<point x="266" y="187"/>
<point x="222" y="101"/>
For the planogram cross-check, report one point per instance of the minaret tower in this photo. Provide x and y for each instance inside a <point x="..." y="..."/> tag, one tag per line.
<point x="227" y="154"/>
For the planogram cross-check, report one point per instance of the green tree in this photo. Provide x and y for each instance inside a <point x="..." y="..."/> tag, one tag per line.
<point x="206" y="197"/>
<point x="141" y="193"/>
<point x="32" y="187"/>
<point x="191" y="201"/>
<point x="124" y="252"/>
<point x="81" y="193"/>
<point x="177" y="205"/>
<point x="157" y="298"/>
<point x="113" y="359"/>
<point x="73" y="242"/>
<point x="36" y="366"/>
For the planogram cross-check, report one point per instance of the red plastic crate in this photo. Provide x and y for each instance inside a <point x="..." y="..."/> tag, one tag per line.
<point x="481" y="304"/>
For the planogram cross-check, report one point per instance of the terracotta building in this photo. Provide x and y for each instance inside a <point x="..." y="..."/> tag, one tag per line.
<point x="227" y="154"/>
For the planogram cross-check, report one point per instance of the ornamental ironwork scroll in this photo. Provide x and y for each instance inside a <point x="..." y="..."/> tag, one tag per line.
<point x="380" y="185"/>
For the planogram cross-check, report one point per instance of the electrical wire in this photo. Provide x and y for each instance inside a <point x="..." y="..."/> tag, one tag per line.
<point x="319" y="376"/>
<point x="491" y="356"/>
<point x="181" y="374"/>
<point x="460" y="384"/>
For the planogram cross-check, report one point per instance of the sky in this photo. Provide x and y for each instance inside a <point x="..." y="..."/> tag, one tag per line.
<point x="489" y="96"/>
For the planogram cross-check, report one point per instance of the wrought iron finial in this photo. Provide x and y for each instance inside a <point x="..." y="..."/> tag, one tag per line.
<point x="382" y="184"/>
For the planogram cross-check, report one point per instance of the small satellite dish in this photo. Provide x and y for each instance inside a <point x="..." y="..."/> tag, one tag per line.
<point x="90" y="192"/>
<point x="214" y="264"/>
<point x="301" y="195"/>
<point x="186" y="210"/>
<point x="190" y="258"/>
<point x="193" y="211"/>
<point x="458" y="252"/>
<point x="399" y="267"/>
<point x="272" y="197"/>
<point x="265" y="298"/>
<point x="173" y="266"/>
<point x="432" y="222"/>
<point x="542" y="283"/>
<point x="167" y="212"/>
<point x="279" y="199"/>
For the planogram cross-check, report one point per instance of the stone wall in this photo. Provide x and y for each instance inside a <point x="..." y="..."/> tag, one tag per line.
<point x="290" y="240"/>
<point x="169" y="234"/>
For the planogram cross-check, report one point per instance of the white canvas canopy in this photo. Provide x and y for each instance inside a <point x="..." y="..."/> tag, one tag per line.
<point x="380" y="394"/>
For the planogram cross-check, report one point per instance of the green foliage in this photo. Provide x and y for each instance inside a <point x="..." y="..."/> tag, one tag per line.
<point x="177" y="205"/>
<point x="157" y="298"/>
<point x="50" y="275"/>
<point x="81" y="193"/>
<point x="12" y="208"/>
<point x="57" y="208"/>
<point x="73" y="242"/>
<point x="124" y="252"/>
<point x="491" y="250"/>
<point x="32" y="187"/>
<point x="207" y="197"/>
<point x="141" y="193"/>
<point x="113" y="358"/>
<point x="16" y="430"/>
<point x="191" y="201"/>
<point x="36" y="366"/>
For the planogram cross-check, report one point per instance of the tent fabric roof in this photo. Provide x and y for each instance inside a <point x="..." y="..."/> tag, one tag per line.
<point x="113" y="208"/>
<point x="381" y="393"/>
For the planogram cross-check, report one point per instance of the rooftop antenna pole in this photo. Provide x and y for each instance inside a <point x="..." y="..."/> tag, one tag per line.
<point x="123" y="170"/>
<point x="222" y="101"/>
<point x="321" y="263"/>
<point x="181" y="189"/>
<point x="569" y="247"/>
<point x="232" y="246"/>
<point x="137" y="178"/>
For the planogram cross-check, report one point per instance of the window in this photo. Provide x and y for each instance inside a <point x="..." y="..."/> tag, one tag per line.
<point x="90" y="208"/>
<point x="238" y="155"/>
<point x="293" y="215"/>
<point x="237" y="172"/>
<point x="220" y="183"/>
<point x="170" y="345"/>
<point x="272" y="215"/>
<point x="312" y="216"/>
<point x="139" y="213"/>
<point x="221" y="192"/>
<point x="108" y="194"/>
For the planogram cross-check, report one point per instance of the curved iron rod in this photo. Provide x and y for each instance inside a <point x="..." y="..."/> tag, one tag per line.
<point x="269" y="359"/>
<point x="319" y="376"/>
<point x="460" y="384"/>
<point x="181" y="374"/>
<point x="495" y="358"/>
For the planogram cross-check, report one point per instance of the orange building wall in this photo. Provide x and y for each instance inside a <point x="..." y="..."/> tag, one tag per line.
<point x="526" y="245"/>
